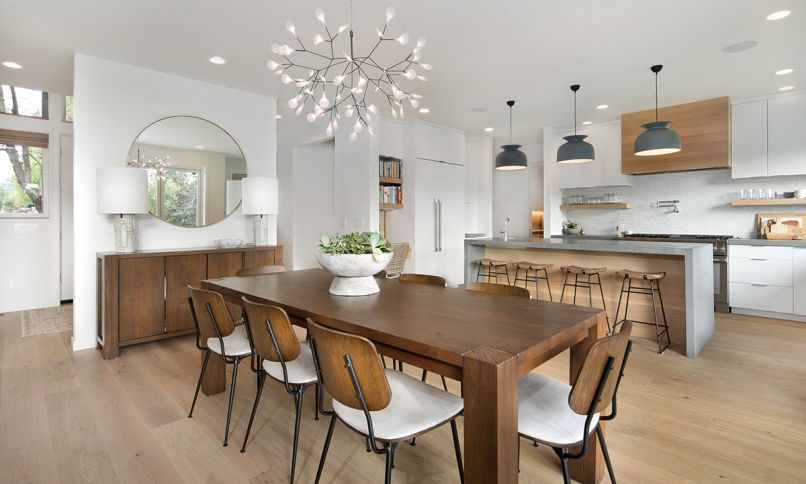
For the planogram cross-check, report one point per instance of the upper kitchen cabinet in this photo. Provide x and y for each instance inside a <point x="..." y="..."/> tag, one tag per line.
<point x="704" y="128"/>
<point x="748" y="139"/>
<point x="768" y="136"/>
<point x="390" y="138"/>
<point x="787" y="135"/>
<point x="605" y="170"/>
<point x="438" y="143"/>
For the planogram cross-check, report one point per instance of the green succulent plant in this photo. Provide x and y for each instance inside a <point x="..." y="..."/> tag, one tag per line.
<point x="355" y="243"/>
<point x="568" y="224"/>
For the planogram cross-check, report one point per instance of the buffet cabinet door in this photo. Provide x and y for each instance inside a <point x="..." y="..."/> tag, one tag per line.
<point x="179" y="272"/>
<point x="141" y="291"/>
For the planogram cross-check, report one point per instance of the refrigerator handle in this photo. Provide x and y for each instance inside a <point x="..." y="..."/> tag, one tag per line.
<point x="439" y="204"/>
<point x="436" y="224"/>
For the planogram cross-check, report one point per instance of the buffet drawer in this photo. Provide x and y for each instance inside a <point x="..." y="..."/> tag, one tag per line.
<point x="761" y="297"/>
<point x="761" y="252"/>
<point x="771" y="272"/>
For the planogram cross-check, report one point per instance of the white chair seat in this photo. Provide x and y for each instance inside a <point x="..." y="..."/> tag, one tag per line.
<point x="300" y="370"/>
<point x="235" y="343"/>
<point x="415" y="407"/>
<point x="544" y="414"/>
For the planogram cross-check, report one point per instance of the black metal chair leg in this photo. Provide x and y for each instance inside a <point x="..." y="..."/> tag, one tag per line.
<point x="390" y="455"/>
<point x="458" y="451"/>
<point x="325" y="448"/>
<point x="231" y="399"/>
<point x="366" y="441"/>
<point x="562" y="454"/>
<point x="198" y="385"/>
<point x="296" y="433"/>
<point x="444" y="383"/>
<point x="261" y="378"/>
<point x="606" y="455"/>
<point x="316" y="403"/>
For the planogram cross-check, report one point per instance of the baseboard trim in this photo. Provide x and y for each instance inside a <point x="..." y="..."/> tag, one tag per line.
<point x="769" y="314"/>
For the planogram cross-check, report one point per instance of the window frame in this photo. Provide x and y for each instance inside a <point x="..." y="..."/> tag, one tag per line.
<point x="45" y="187"/>
<point x="45" y="105"/>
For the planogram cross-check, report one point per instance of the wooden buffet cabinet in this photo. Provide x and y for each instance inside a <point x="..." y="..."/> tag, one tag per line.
<point x="142" y="296"/>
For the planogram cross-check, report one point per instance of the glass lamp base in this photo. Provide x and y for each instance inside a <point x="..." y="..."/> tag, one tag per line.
<point x="125" y="234"/>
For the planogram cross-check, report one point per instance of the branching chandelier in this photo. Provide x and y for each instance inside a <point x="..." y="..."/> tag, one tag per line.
<point x="156" y="163"/>
<point x="336" y="86"/>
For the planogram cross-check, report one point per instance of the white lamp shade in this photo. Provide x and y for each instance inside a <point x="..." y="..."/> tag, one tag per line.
<point x="122" y="190"/>
<point x="259" y="196"/>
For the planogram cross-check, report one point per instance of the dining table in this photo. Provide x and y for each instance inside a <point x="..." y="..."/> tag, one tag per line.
<point x="486" y="341"/>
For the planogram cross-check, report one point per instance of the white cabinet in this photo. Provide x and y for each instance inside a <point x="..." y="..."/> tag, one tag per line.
<point x="787" y="135"/>
<point x="799" y="281"/>
<point x="390" y="138"/>
<point x="761" y="278"/>
<point x="438" y="143"/>
<point x="748" y="139"/>
<point x="768" y="137"/>
<point x="605" y="170"/>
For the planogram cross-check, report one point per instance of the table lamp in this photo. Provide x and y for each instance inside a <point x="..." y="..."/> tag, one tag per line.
<point x="260" y="199"/>
<point x="123" y="191"/>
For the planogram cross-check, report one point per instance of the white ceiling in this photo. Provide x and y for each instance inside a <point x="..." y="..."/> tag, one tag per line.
<point x="483" y="52"/>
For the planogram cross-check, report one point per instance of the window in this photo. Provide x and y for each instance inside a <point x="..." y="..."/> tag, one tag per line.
<point x="22" y="166"/>
<point x="175" y="196"/>
<point x="68" y="109"/>
<point x="23" y="102"/>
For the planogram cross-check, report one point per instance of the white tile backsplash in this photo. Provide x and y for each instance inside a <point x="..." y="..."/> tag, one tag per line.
<point x="704" y="204"/>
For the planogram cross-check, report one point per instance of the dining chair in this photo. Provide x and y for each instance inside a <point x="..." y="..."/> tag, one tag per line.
<point x="279" y="355"/>
<point x="384" y="406"/>
<point x="564" y="416"/>
<point x="217" y="333"/>
<point x="259" y="271"/>
<point x="501" y="289"/>
<point x="434" y="281"/>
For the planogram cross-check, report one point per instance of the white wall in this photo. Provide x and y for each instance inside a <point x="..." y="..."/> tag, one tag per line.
<point x="31" y="260"/>
<point x="113" y="103"/>
<point x="704" y="204"/>
<point x="314" y="196"/>
<point x="512" y="193"/>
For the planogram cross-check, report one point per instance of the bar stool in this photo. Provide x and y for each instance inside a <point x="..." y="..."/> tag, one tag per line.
<point x="654" y="279"/>
<point x="589" y="273"/>
<point x="537" y="269"/>
<point x="493" y="269"/>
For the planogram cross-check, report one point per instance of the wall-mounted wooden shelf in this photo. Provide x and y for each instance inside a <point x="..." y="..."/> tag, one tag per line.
<point x="587" y="206"/>
<point x="390" y="206"/>
<point x="390" y="181"/>
<point x="769" y="202"/>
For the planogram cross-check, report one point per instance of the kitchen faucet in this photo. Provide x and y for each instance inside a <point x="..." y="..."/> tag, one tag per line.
<point x="673" y="204"/>
<point x="506" y="235"/>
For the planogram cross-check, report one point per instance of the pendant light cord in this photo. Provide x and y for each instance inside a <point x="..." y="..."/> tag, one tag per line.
<point x="510" y="125"/>
<point x="656" y="97"/>
<point x="575" y="113"/>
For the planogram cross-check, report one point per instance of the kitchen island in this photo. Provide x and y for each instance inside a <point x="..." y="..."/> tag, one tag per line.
<point x="688" y="289"/>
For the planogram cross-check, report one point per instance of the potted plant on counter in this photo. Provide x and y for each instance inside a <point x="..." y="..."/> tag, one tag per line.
<point x="354" y="258"/>
<point x="571" y="228"/>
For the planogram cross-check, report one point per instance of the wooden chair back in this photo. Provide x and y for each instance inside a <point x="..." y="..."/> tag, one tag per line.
<point x="423" y="279"/>
<point x="200" y="298"/>
<point x="584" y="390"/>
<point x="331" y="347"/>
<point x="258" y="318"/>
<point x="259" y="271"/>
<point x="502" y="289"/>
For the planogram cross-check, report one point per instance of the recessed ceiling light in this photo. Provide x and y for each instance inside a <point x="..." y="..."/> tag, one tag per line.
<point x="784" y="72"/>
<point x="489" y="130"/>
<point x="480" y="110"/>
<point x="739" y="46"/>
<point x="199" y="147"/>
<point x="585" y="123"/>
<point x="217" y="60"/>
<point x="602" y="106"/>
<point x="786" y="88"/>
<point x="279" y="116"/>
<point x="778" y="15"/>
<point x="12" y="65"/>
<point x="425" y="110"/>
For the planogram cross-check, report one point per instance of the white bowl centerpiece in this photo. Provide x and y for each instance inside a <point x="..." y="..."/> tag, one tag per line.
<point x="354" y="258"/>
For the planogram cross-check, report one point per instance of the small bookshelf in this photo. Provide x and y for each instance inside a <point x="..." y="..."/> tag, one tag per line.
<point x="390" y="183"/>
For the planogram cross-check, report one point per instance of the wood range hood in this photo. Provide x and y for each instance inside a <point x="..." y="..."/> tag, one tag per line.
<point x="704" y="128"/>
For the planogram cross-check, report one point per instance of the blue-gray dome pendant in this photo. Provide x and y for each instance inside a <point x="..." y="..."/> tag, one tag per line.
<point x="575" y="150"/>
<point x="511" y="158"/>
<point x="658" y="139"/>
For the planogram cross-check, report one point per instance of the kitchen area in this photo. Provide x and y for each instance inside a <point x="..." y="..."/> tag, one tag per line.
<point x="722" y="218"/>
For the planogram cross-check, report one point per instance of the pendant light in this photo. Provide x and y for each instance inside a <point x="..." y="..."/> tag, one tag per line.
<point x="575" y="149"/>
<point x="659" y="138"/>
<point x="511" y="158"/>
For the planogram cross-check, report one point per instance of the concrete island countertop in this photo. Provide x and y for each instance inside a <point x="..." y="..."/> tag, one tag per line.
<point x="598" y="244"/>
<point x="767" y="242"/>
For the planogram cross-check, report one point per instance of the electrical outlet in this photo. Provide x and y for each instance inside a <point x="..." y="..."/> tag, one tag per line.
<point x="358" y="221"/>
<point x="8" y="283"/>
<point x="25" y="228"/>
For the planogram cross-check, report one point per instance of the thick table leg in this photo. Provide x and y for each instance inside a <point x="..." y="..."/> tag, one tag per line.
<point x="490" y="380"/>
<point x="215" y="378"/>
<point x="589" y="469"/>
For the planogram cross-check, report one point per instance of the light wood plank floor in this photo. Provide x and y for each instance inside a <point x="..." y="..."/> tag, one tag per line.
<point x="737" y="413"/>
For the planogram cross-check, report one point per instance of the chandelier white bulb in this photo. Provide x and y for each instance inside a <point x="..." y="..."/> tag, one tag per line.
<point x="332" y="85"/>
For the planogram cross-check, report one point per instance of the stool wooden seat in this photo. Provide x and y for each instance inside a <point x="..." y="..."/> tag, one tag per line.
<point x="493" y="269"/>
<point x="654" y="276"/>
<point x="583" y="271"/>
<point x="533" y="272"/>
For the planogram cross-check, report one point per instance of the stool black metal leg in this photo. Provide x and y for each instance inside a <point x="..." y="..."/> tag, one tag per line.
<point x="548" y="285"/>
<point x="665" y="322"/>
<point x="618" y="321"/>
<point x="576" y="285"/>
<point x="590" y="292"/>
<point x="506" y="271"/>
<point x="604" y="304"/>
<point x="565" y="283"/>
<point x="478" y="273"/>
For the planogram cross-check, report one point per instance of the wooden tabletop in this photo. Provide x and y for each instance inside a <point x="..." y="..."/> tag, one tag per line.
<point x="438" y="323"/>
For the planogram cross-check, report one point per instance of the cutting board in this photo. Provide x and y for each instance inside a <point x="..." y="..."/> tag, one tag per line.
<point x="781" y="226"/>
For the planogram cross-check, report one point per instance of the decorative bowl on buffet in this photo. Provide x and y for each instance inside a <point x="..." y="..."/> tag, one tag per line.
<point x="228" y="243"/>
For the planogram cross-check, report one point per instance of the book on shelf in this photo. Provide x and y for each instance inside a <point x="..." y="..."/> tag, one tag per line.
<point x="389" y="168"/>
<point x="391" y="194"/>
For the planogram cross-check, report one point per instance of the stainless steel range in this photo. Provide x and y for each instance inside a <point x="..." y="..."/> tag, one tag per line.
<point x="720" y="244"/>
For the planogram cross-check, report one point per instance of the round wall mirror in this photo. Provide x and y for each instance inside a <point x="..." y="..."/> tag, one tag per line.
<point x="194" y="170"/>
